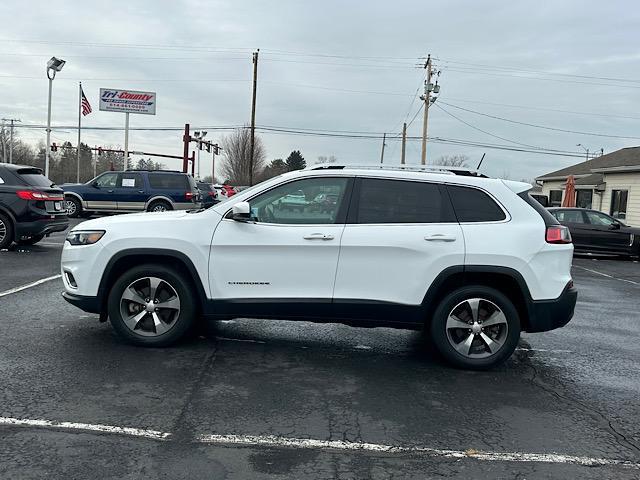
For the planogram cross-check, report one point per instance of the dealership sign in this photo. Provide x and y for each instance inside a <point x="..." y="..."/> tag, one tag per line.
<point x="127" y="101"/>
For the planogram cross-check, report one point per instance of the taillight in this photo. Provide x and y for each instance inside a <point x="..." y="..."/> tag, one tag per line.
<point x="558" y="234"/>
<point x="188" y="195"/>
<point x="35" y="195"/>
<point x="212" y="194"/>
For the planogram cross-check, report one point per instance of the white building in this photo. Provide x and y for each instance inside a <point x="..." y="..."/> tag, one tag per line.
<point x="610" y="184"/>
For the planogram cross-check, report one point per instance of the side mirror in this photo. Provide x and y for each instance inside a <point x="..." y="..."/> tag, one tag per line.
<point x="241" y="212"/>
<point x="95" y="185"/>
<point x="615" y="226"/>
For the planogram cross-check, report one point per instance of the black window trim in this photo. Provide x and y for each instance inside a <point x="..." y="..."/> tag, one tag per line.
<point x="342" y="211"/>
<point x="352" y="216"/>
<point x="507" y="215"/>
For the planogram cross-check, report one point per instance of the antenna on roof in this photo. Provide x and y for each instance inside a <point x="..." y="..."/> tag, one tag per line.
<point x="478" y="167"/>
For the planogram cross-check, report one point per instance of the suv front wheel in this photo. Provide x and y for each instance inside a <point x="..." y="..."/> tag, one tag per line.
<point x="152" y="305"/>
<point x="476" y="327"/>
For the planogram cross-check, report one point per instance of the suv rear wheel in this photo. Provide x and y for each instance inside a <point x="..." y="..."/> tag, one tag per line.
<point x="159" y="206"/>
<point x="152" y="305"/>
<point x="476" y="327"/>
<point x="6" y="231"/>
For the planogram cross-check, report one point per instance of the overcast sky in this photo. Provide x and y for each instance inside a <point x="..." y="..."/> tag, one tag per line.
<point x="337" y="65"/>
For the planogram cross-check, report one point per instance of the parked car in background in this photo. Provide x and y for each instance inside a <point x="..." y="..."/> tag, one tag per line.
<point x="208" y="194"/>
<point x="31" y="206"/>
<point x="224" y="191"/>
<point x="596" y="232"/>
<point x="133" y="191"/>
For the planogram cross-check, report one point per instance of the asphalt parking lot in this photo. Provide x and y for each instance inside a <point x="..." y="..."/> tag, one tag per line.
<point x="275" y="399"/>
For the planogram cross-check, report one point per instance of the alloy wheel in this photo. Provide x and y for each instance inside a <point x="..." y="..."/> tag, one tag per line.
<point x="150" y="306"/>
<point x="477" y="328"/>
<point x="159" y="208"/>
<point x="71" y="207"/>
<point x="3" y="231"/>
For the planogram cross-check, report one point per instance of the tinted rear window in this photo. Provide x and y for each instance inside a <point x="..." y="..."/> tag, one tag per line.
<point x="34" y="177"/>
<point x="169" y="182"/>
<point x="400" y="201"/>
<point x="473" y="205"/>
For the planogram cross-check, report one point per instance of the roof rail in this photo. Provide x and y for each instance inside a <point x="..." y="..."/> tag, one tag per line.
<point x="441" y="169"/>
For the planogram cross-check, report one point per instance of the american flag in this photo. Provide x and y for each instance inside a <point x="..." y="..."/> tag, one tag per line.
<point x="86" y="108"/>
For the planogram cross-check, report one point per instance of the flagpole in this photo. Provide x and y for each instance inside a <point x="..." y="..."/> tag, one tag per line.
<point x="79" y="128"/>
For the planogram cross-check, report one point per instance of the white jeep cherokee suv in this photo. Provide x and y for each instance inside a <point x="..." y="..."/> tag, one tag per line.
<point x="471" y="260"/>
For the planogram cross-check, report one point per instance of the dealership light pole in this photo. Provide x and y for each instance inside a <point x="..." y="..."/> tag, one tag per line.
<point x="54" y="65"/>
<point x="199" y="136"/>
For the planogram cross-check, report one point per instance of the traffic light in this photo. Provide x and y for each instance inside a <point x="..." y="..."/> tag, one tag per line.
<point x="99" y="150"/>
<point x="54" y="147"/>
<point x="208" y="147"/>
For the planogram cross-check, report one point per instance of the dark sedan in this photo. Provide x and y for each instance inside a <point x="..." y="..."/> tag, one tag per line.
<point x="596" y="232"/>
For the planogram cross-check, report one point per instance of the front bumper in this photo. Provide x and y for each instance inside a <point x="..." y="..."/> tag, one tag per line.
<point x="87" y="304"/>
<point x="545" y="315"/>
<point x="41" y="227"/>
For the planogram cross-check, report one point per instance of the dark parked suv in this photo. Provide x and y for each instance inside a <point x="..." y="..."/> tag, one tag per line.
<point x="133" y="191"/>
<point x="30" y="205"/>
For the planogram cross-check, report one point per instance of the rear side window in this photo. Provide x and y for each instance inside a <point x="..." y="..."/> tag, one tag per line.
<point x="400" y="201"/>
<point x="34" y="177"/>
<point x="569" y="216"/>
<point x="169" y="182"/>
<point x="473" y="205"/>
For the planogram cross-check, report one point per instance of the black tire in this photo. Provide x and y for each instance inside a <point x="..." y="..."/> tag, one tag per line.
<point x="490" y="298"/>
<point x="179" y="326"/>
<point x="31" y="240"/>
<point x="6" y="232"/>
<point x="74" y="207"/>
<point x="159" y="206"/>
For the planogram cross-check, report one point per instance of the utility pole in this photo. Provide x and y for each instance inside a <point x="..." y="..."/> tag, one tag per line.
<point x="404" y="142"/>
<point x="253" y="114"/>
<point x="384" y="138"/>
<point x="11" y="122"/>
<point x="4" y="143"/>
<point x="427" y="98"/>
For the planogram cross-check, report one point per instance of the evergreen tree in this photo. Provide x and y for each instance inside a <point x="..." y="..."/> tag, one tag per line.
<point x="295" y="161"/>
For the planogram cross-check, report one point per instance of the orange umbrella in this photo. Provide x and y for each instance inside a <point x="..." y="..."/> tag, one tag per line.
<point x="569" y="199"/>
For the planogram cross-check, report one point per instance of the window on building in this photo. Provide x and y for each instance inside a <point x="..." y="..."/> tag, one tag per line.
<point x="555" y="198"/>
<point x="584" y="198"/>
<point x="619" y="204"/>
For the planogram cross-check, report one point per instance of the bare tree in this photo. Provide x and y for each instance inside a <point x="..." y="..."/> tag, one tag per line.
<point x="453" y="161"/>
<point x="236" y="159"/>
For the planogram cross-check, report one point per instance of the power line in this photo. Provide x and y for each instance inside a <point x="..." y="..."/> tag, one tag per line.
<point x="533" y="125"/>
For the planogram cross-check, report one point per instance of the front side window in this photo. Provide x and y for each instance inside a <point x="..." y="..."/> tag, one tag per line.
<point x="107" y="180"/>
<point x="306" y="201"/>
<point x="619" y="203"/>
<point x="597" y="218"/>
<point x="130" y="180"/>
<point x="555" y="198"/>
<point x="473" y="205"/>
<point x="584" y="198"/>
<point x="401" y="201"/>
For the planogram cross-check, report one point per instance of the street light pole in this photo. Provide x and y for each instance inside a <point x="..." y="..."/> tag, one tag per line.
<point x="585" y="149"/>
<point x="54" y="65"/>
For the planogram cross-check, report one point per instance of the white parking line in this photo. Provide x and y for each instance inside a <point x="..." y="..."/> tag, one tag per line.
<point x="607" y="275"/>
<point x="29" y="285"/>
<point x="308" y="443"/>
<point x="133" y="432"/>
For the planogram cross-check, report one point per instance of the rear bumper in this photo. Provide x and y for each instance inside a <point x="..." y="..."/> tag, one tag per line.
<point x="41" y="227"/>
<point x="87" y="304"/>
<point x="545" y="315"/>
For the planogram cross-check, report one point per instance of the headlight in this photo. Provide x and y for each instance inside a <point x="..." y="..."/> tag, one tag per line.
<point x="84" y="237"/>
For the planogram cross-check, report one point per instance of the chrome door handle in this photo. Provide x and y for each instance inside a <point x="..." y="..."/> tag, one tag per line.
<point x="140" y="191"/>
<point x="109" y="191"/>
<point x="318" y="236"/>
<point x="439" y="237"/>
